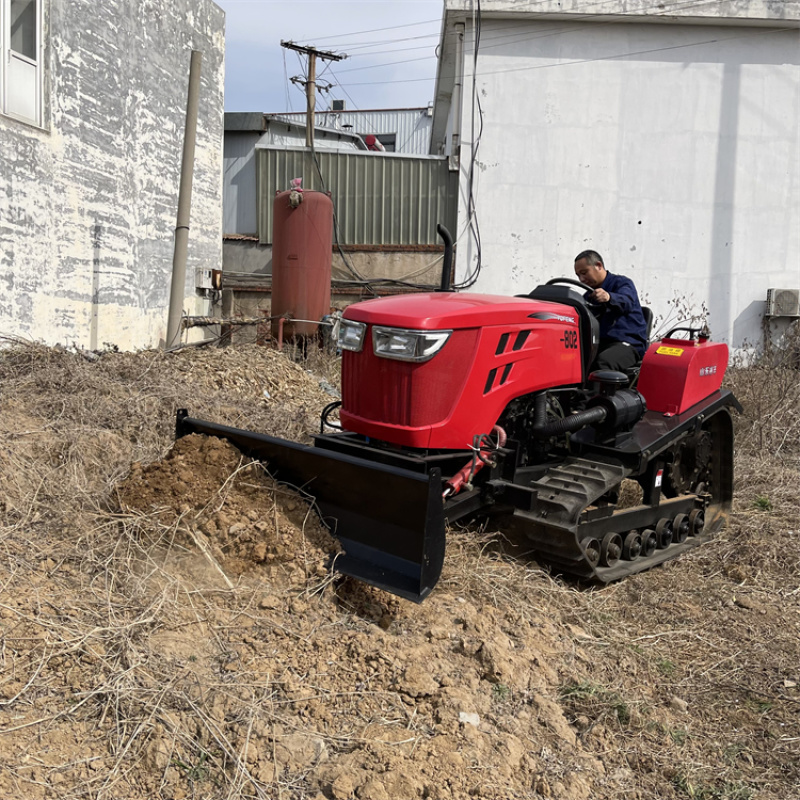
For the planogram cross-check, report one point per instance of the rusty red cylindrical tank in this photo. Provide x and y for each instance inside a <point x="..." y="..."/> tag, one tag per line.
<point x="302" y="251"/>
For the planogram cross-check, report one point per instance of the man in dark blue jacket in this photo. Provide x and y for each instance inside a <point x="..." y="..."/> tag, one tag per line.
<point x="623" y="331"/>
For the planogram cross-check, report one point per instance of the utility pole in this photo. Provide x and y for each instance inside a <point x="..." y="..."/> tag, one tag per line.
<point x="178" y="285"/>
<point x="311" y="95"/>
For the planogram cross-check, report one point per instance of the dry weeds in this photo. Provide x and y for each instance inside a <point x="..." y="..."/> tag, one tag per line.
<point x="169" y="627"/>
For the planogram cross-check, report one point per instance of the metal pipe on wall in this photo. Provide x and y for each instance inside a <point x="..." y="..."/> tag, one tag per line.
<point x="178" y="287"/>
<point x="457" y="100"/>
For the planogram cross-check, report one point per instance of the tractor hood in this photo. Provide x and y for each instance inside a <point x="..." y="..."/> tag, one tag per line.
<point x="453" y="311"/>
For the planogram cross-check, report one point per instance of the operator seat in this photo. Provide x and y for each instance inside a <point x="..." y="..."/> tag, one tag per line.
<point x="648" y="320"/>
<point x="633" y="372"/>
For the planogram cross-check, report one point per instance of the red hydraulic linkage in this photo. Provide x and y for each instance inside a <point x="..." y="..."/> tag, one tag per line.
<point x="483" y="447"/>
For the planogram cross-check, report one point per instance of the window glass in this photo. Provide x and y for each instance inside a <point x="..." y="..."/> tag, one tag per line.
<point x="23" y="28"/>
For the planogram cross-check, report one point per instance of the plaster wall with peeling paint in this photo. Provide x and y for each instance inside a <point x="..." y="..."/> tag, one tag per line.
<point x="88" y="202"/>
<point x="673" y="149"/>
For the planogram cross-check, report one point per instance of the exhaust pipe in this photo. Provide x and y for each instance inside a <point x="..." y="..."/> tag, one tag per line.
<point x="448" y="257"/>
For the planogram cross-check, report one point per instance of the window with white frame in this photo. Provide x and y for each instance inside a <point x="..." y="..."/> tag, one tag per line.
<point x="21" y="65"/>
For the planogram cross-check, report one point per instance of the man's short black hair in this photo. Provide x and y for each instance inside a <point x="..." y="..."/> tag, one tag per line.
<point x="593" y="258"/>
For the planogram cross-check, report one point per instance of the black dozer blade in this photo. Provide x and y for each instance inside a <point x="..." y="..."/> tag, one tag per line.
<point x="390" y="521"/>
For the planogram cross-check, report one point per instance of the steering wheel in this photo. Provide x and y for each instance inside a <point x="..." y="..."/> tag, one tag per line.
<point x="570" y="281"/>
<point x="594" y="307"/>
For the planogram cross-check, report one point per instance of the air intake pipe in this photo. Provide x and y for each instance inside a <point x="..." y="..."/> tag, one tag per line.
<point x="543" y="429"/>
<point x="614" y="408"/>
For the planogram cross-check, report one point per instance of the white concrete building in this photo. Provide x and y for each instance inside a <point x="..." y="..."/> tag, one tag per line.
<point x="665" y="135"/>
<point x="92" y="111"/>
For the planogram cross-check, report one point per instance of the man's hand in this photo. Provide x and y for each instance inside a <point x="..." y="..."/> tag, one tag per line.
<point x="600" y="296"/>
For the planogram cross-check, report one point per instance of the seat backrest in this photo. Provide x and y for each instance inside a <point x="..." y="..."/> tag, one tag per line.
<point x="648" y="319"/>
<point x="633" y="372"/>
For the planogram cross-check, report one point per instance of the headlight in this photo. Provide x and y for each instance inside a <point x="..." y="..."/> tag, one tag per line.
<point x="406" y="345"/>
<point x="351" y="335"/>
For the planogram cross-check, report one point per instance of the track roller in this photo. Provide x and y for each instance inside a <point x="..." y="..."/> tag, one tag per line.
<point x="610" y="549"/>
<point x="664" y="533"/>
<point x="591" y="549"/>
<point x="680" y="527"/>
<point x="697" y="521"/>
<point x="649" y="542"/>
<point x="631" y="545"/>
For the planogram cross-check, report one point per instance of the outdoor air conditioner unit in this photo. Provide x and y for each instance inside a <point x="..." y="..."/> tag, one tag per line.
<point x="783" y="302"/>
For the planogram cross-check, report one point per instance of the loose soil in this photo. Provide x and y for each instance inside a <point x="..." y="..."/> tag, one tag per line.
<point x="170" y="626"/>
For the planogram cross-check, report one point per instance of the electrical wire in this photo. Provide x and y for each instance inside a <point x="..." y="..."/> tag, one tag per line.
<point x="474" y="145"/>
<point x="355" y="105"/>
<point x="613" y="57"/>
<point x="471" y="225"/>
<point x="360" y="280"/>
<point x="503" y="40"/>
<point x="475" y="271"/>
<point x="339" y="84"/>
<point x="286" y="79"/>
<point x="370" y="283"/>
<point x="381" y="43"/>
<point x="359" y="277"/>
<point x="408" y="138"/>
<point x="477" y="118"/>
<point x="474" y="274"/>
<point x="378" y="30"/>
<point x="647" y="14"/>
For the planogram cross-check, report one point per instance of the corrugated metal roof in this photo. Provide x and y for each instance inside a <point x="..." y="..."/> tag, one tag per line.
<point x="296" y="137"/>
<point x="410" y="126"/>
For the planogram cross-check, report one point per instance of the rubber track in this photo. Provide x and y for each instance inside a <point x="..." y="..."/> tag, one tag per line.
<point x="569" y="488"/>
<point x="556" y="529"/>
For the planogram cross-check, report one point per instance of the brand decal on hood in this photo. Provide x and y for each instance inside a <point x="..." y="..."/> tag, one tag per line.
<point x="547" y="315"/>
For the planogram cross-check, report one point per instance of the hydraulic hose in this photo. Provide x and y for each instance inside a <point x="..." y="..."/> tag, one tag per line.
<point x="483" y="448"/>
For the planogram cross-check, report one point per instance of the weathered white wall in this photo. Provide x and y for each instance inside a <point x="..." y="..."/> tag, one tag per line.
<point x="758" y="12"/>
<point x="674" y="150"/>
<point x="88" y="204"/>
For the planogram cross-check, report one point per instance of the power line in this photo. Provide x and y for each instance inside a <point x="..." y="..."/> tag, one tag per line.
<point x="589" y="60"/>
<point x="286" y="79"/>
<point x="679" y="5"/>
<point x="504" y="40"/>
<point x="376" y="30"/>
<point x="380" y="43"/>
<point x="661" y="11"/>
<point x="386" y="64"/>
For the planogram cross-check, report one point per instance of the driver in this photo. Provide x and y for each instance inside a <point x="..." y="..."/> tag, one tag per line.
<point x="623" y="331"/>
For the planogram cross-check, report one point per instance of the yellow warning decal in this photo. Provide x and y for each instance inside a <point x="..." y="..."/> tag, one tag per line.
<point x="670" y="351"/>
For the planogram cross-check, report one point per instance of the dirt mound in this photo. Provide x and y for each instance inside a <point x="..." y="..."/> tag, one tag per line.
<point x="369" y="693"/>
<point x="227" y="505"/>
<point x="171" y="626"/>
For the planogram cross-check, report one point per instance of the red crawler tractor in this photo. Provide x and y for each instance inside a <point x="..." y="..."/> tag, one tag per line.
<point x="459" y="405"/>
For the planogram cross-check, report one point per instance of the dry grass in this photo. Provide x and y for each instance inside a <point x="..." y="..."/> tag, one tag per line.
<point x="686" y="678"/>
<point x="131" y="667"/>
<point x="86" y="588"/>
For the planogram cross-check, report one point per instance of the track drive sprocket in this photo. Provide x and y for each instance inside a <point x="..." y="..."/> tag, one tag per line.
<point x="690" y="463"/>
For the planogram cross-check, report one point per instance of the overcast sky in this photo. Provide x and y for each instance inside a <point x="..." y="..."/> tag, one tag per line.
<point x="390" y="44"/>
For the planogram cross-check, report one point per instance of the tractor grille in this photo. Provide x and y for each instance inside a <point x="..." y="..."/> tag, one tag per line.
<point x="392" y="392"/>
